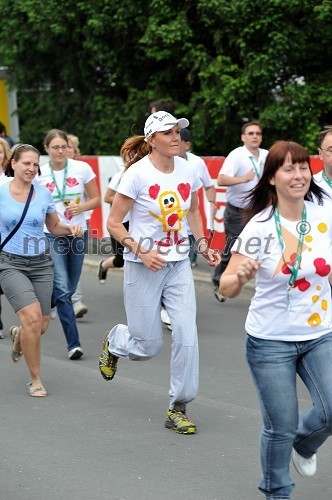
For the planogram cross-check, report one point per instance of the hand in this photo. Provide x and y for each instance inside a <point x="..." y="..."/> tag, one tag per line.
<point x="76" y="230"/>
<point x="247" y="270"/>
<point x="249" y="176"/>
<point x="212" y="256"/>
<point x="74" y="209"/>
<point x="152" y="260"/>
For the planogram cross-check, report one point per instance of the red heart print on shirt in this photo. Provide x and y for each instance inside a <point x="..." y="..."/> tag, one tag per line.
<point x="322" y="269"/>
<point x="50" y="186"/>
<point x="302" y="284"/>
<point x="172" y="219"/>
<point x="153" y="191"/>
<point x="184" y="190"/>
<point x="71" y="182"/>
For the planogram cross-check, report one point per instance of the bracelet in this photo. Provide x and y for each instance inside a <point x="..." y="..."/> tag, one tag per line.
<point x="212" y="201"/>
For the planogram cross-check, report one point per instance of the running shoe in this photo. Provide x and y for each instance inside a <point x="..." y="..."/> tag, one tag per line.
<point x="80" y="309"/>
<point x="102" y="273"/>
<point x="179" y="422"/>
<point x="218" y="295"/>
<point x="107" y="361"/>
<point x="75" y="353"/>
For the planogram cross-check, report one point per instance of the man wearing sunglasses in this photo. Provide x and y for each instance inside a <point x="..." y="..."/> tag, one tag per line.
<point x="240" y="173"/>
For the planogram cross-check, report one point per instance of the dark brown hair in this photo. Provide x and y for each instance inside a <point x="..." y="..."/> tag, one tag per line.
<point x="323" y="133"/>
<point x="264" y="193"/>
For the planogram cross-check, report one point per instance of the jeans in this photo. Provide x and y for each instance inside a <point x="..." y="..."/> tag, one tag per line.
<point x="68" y="255"/>
<point x="192" y="252"/>
<point x="274" y="365"/>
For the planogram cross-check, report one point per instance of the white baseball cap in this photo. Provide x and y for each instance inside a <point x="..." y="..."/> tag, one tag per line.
<point x="160" y="121"/>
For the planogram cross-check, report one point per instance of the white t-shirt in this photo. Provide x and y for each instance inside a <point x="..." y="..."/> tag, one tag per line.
<point x="161" y="202"/>
<point x="308" y="315"/>
<point x="201" y="169"/>
<point x="4" y="179"/>
<point x="237" y="164"/>
<point x="113" y="185"/>
<point x="79" y="173"/>
<point x="319" y="180"/>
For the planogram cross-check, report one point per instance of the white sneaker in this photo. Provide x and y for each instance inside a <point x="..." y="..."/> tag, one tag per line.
<point x="165" y="318"/>
<point x="218" y="295"/>
<point x="53" y="313"/>
<point x="80" y="309"/>
<point x="306" y="467"/>
<point x="1" y="334"/>
<point x="75" y="353"/>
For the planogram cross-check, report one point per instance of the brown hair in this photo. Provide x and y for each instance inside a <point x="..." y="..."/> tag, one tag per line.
<point x="133" y="149"/>
<point x="55" y="132"/>
<point x="248" y="124"/>
<point x="16" y="155"/>
<point x="264" y="193"/>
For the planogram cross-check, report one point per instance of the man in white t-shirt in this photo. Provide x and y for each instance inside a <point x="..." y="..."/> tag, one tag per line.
<point x="324" y="177"/>
<point x="240" y="172"/>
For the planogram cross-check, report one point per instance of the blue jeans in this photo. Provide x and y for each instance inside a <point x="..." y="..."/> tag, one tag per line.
<point x="68" y="255"/>
<point x="274" y="365"/>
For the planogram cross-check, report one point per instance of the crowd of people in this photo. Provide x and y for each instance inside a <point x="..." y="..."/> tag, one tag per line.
<point x="157" y="232"/>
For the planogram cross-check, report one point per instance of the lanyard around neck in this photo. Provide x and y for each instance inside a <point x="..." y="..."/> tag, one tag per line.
<point x="294" y="269"/>
<point x="327" y="179"/>
<point x="255" y="167"/>
<point x="62" y="193"/>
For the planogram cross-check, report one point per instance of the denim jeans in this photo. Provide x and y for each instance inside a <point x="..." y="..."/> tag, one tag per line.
<point x="68" y="255"/>
<point x="274" y="365"/>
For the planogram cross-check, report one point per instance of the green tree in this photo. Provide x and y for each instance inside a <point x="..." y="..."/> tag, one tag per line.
<point x="92" y="68"/>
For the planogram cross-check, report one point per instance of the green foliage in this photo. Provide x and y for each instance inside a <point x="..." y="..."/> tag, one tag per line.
<point x="92" y="68"/>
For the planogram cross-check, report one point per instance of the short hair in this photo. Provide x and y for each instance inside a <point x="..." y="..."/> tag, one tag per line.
<point x="248" y="124"/>
<point x="323" y="133"/>
<point x="185" y="135"/>
<point x="162" y="106"/>
<point x="75" y="142"/>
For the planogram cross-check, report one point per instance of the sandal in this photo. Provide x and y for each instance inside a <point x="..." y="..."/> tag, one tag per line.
<point x="16" y="353"/>
<point x="37" y="391"/>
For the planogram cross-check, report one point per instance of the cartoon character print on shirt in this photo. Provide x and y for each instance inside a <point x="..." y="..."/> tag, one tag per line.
<point x="322" y="268"/>
<point x="171" y="212"/>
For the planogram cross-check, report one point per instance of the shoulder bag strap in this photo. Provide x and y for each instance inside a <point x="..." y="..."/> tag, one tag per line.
<point x="16" y="228"/>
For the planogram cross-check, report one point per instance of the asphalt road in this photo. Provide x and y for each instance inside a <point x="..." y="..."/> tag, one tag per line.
<point x="92" y="439"/>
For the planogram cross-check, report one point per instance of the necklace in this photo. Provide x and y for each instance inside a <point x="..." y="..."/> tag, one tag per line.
<point x="327" y="179"/>
<point x="62" y="193"/>
<point x="295" y="264"/>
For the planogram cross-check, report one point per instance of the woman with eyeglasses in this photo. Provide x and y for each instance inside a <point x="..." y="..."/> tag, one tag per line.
<point x="26" y="268"/>
<point x="67" y="179"/>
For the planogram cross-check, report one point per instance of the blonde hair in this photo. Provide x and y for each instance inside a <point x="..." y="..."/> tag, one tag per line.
<point x="6" y="150"/>
<point x="133" y="149"/>
<point x="74" y="142"/>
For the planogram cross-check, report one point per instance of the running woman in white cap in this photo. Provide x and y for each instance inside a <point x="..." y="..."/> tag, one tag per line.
<point x="158" y="189"/>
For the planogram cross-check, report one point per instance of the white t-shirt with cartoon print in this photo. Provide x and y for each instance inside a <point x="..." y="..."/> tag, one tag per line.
<point x="161" y="202"/>
<point x="307" y="313"/>
<point x="79" y="173"/>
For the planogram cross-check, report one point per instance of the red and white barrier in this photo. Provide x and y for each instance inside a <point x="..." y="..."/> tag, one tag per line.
<point x="106" y="166"/>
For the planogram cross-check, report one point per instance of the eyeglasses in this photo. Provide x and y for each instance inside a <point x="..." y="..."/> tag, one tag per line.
<point x="253" y="133"/>
<point x="327" y="150"/>
<point x="57" y="148"/>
